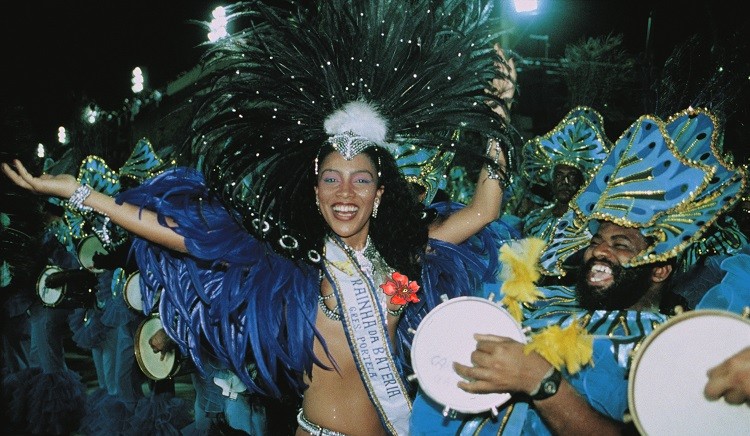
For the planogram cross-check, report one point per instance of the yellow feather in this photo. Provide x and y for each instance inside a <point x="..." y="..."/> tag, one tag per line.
<point x="571" y="346"/>
<point x="520" y="271"/>
<point x="513" y="307"/>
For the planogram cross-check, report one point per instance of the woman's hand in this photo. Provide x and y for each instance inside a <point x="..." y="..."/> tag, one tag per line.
<point x="62" y="185"/>
<point x="504" y="86"/>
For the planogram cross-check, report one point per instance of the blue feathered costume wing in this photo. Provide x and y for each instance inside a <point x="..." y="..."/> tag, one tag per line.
<point x="234" y="297"/>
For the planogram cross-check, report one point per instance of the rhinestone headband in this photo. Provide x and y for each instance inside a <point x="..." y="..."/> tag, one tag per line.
<point x="349" y="144"/>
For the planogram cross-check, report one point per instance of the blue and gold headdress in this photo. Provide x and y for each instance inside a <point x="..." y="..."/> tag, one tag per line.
<point x="578" y="141"/>
<point x="425" y="167"/>
<point x="666" y="178"/>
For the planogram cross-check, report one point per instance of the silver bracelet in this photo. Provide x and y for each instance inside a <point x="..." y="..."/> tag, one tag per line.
<point x="492" y="172"/>
<point x="78" y="197"/>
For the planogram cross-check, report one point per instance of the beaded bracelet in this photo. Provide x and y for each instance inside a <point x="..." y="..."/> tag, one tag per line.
<point x="78" y="197"/>
<point x="492" y="172"/>
<point x="396" y="312"/>
<point x="104" y="234"/>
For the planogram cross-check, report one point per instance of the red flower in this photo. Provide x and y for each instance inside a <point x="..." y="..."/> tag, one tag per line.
<point x="400" y="289"/>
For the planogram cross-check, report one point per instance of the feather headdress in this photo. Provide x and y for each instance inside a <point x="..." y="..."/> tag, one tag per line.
<point x="391" y="72"/>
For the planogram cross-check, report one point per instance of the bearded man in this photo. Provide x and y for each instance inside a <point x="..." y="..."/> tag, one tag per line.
<point x="626" y="227"/>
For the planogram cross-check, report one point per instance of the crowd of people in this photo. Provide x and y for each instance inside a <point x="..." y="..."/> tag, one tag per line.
<point x="288" y="259"/>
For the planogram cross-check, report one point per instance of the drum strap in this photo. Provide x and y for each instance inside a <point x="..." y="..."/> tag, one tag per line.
<point x="365" y="326"/>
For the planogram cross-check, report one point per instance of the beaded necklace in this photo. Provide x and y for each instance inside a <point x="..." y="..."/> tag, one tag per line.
<point x="372" y="264"/>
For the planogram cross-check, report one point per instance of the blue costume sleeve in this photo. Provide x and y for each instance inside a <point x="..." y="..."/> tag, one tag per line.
<point x="231" y="295"/>
<point x="604" y="384"/>
<point x="733" y="292"/>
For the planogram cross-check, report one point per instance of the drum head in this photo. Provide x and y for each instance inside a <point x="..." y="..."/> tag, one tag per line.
<point x="151" y="363"/>
<point x="132" y="292"/>
<point x="49" y="296"/>
<point x="446" y="335"/>
<point x="668" y="374"/>
<point x="87" y="248"/>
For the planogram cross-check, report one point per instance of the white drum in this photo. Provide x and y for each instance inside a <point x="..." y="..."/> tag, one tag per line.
<point x="87" y="248"/>
<point x="152" y="364"/>
<point x="65" y="296"/>
<point x="446" y="335"/>
<point x="132" y="292"/>
<point x="50" y="296"/>
<point x="668" y="375"/>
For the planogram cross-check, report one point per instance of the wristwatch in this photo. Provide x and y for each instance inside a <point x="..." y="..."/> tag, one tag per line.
<point x="548" y="386"/>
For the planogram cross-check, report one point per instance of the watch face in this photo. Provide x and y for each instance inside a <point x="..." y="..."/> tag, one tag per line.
<point x="550" y="387"/>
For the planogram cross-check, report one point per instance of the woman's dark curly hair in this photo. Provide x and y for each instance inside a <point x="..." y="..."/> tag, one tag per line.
<point x="399" y="232"/>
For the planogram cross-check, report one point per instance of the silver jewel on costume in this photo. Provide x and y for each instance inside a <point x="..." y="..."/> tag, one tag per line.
<point x="313" y="256"/>
<point x="350" y="144"/>
<point x="262" y="226"/>
<point x="288" y="242"/>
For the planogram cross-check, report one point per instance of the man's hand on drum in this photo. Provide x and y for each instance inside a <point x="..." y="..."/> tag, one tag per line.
<point x="730" y="379"/>
<point x="500" y="365"/>
<point x="160" y="343"/>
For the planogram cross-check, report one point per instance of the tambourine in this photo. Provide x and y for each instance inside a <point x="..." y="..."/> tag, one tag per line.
<point x="668" y="375"/>
<point x="49" y="296"/>
<point x="446" y="335"/>
<point x="87" y="248"/>
<point x="152" y="364"/>
<point x="132" y="292"/>
<point x="63" y="297"/>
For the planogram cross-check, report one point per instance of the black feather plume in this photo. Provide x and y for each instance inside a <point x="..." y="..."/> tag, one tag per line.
<point x="424" y="65"/>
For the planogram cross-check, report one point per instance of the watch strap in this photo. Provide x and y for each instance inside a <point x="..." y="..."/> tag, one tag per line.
<point x="549" y="385"/>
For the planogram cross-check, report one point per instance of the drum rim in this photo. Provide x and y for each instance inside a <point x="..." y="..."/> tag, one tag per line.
<point x="133" y="275"/>
<point x="84" y="241"/>
<point x="53" y="268"/>
<point x="640" y="348"/>
<point x="139" y="358"/>
<point x="431" y="314"/>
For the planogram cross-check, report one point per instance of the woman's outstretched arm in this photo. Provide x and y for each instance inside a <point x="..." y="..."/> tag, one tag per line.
<point x="141" y="223"/>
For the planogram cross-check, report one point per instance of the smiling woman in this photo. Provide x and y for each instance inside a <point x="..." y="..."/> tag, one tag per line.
<point x="285" y="292"/>
<point x="348" y="192"/>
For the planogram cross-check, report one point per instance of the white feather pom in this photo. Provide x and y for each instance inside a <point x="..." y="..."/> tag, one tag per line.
<point x="360" y="118"/>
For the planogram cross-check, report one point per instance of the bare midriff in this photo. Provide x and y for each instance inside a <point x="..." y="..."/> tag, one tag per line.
<point x="337" y="400"/>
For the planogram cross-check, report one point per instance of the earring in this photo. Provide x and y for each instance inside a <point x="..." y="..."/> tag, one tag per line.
<point x="317" y="203"/>
<point x="375" y="208"/>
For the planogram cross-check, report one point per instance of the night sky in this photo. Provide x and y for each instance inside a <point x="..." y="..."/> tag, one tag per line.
<point x="63" y="52"/>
